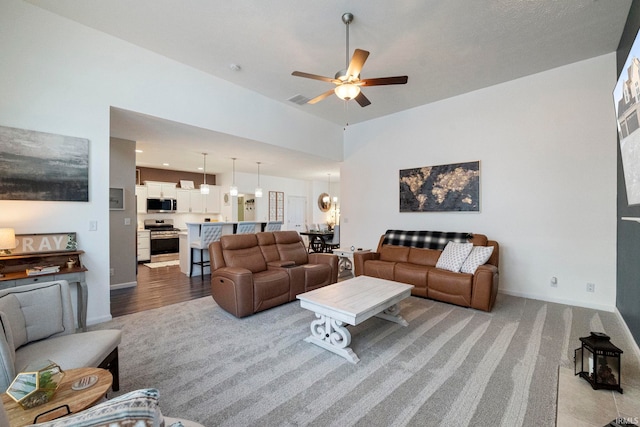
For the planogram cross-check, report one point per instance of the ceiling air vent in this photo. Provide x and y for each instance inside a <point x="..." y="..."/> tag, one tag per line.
<point x="299" y="99"/>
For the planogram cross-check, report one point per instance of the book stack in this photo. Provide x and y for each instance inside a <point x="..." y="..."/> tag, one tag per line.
<point x="44" y="269"/>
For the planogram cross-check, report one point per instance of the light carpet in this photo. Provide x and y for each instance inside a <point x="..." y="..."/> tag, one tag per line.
<point x="162" y="263"/>
<point x="451" y="366"/>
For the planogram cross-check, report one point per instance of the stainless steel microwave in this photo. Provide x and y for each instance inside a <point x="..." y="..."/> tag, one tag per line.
<point x="161" y="205"/>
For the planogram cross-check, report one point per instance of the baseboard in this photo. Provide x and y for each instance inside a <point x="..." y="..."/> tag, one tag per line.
<point x="634" y="344"/>
<point x="96" y="320"/>
<point x="574" y="303"/>
<point x="124" y="285"/>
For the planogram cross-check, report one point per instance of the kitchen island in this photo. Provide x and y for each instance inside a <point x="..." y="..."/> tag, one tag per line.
<point x="193" y="234"/>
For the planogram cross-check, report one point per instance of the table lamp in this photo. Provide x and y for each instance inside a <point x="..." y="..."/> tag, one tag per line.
<point x="7" y="242"/>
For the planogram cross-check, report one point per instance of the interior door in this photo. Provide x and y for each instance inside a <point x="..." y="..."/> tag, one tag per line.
<point x="296" y="213"/>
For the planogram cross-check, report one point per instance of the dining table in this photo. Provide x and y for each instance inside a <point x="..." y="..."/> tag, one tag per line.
<point x="317" y="239"/>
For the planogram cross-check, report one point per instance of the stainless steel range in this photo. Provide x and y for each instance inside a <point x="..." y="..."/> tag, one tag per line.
<point x="165" y="242"/>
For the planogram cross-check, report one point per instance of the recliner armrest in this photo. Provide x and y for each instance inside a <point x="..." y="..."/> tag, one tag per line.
<point x="330" y="259"/>
<point x="281" y="263"/>
<point x="359" y="258"/>
<point x="232" y="289"/>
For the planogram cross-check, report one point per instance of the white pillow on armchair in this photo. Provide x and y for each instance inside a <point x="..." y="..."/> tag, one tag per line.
<point x="137" y="406"/>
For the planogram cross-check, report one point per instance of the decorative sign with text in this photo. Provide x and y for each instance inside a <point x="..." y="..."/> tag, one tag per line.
<point x="42" y="243"/>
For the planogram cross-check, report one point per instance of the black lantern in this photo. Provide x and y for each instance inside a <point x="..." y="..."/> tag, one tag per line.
<point x="598" y="362"/>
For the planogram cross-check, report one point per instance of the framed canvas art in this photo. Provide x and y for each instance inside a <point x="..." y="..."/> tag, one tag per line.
<point x="43" y="166"/>
<point x="443" y="188"/>
<point x="116" y="199"/>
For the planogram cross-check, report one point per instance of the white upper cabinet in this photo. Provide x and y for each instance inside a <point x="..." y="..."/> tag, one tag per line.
<point x="161" y="190"/>
<point x="141" y="198"/>
<point x="189" y="201"/>
<point x="183" y="200"/>
<point x="212" y="200"/>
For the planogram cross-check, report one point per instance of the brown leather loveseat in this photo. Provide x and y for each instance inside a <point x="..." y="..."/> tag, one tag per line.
<point x="403" y="262"/>
<point x="255" y="272"/>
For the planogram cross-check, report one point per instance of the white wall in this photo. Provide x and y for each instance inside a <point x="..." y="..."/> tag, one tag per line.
<point x="61" y="77"/>
<point x="546" y="144"/>
<point x="547" y="150"/>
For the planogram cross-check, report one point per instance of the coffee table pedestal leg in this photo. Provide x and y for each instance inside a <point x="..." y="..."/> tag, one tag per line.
<point x="392" y="314"/>
<point x="332" y="335"/>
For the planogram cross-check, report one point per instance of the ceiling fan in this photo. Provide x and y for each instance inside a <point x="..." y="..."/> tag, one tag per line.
<point x="347" y="81"/>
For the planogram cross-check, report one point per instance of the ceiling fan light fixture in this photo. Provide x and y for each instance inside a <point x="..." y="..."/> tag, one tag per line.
<point x="347" y="91"/>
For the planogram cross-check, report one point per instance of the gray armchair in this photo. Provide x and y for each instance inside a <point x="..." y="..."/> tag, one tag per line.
<point x="37" y="323"/>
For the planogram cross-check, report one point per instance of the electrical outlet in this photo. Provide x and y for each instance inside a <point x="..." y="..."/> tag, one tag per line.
<point x="554" y="282"/>
<point x="112" y="271"/>
<point x="591" y="287"/>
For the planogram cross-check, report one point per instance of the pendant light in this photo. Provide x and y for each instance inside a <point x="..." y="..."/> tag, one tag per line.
<point x="233" y="191"/>
<point x="258" y="192"/>
<point x="204" y="188"/>
<point x="327" y="199"/>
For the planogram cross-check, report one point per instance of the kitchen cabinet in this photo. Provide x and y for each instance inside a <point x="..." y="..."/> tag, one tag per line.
<point x="183" y="198"/>
<point x="189" y="201"/>
<point x="144" y="246"/>
<point x="161" y="190"/>
<point x="141" y="198"/>
<point x="212" y="200"/>
<point x="192" y="201"/>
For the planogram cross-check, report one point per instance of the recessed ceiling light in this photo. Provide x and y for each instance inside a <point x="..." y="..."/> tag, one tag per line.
<point x="165" y="164"/>
<point x="139" y="151"/>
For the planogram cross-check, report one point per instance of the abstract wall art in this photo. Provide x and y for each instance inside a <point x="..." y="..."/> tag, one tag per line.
<point x="444" y="188"/>
<point x="43" y="166"/>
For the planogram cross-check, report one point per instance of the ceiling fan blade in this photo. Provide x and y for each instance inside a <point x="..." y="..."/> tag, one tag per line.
<point x="315" y="77"/>
<point x="357" y="61"/>
<point x="321" y="97"/>
<point x="362" y="100"/>
<point x="397" y="80"/>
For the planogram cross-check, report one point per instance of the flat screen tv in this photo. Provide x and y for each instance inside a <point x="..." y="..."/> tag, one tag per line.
<point x="626" y="97"/>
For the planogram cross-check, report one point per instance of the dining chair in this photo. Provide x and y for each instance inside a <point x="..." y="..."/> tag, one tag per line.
<point x="334" y="242"/>
<point x="208" y="233"/>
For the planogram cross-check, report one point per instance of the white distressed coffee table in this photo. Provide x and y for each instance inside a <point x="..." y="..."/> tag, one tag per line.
<point x="352" y="302"/>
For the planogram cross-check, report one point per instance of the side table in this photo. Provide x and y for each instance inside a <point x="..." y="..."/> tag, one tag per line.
<point x="345" y="263"/>
<point x="75" y="400"/>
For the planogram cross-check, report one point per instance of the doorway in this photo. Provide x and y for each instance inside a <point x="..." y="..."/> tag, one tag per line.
<point x="297" y="212"/>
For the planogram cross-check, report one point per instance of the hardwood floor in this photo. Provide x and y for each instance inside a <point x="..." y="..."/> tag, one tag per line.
<point x="158" y="287"/>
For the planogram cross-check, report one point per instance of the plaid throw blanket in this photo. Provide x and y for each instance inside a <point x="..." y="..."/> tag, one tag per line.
<point x="423" y="239"/>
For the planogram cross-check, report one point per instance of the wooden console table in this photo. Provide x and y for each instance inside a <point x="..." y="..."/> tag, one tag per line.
<point x="14" y="269"/>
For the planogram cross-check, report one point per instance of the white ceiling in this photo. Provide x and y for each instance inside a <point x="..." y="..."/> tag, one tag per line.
<point x="446" y="47"/>
<point x="181" y="147"/>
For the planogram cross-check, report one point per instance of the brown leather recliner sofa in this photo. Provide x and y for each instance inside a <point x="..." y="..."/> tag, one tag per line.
<point x="255" y="272"/>
<point x="417" y="266"/>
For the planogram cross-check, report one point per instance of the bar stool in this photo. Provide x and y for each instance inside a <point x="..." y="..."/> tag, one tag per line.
<point x="246" y="228"/>
<point x="208" y="233"/>
<point x="273" y="226"/>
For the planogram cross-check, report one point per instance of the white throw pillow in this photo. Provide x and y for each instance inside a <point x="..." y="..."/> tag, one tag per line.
<point x="478" y="256"/>
<point x="453" y="256"/>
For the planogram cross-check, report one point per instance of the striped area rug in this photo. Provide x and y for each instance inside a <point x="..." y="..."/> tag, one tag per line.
<point x="451" y="366"/>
